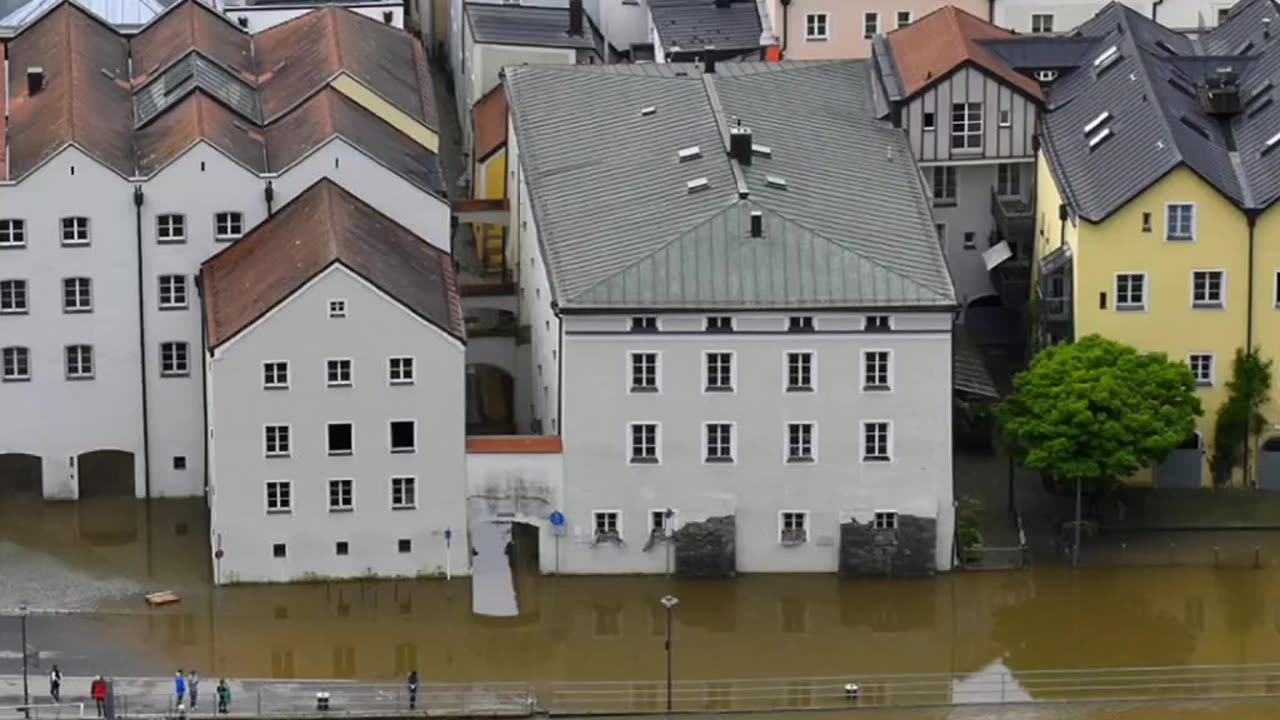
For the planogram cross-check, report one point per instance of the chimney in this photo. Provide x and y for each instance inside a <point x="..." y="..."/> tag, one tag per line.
<point x="35" y="80"/>
<point x="709" y="61"/>
<point x="575" y="17"/>
<point x="740" y="144"/>
<point x="757" y="224"/>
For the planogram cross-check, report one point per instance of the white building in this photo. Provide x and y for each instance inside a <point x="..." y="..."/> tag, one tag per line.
<point x="334" y="401"/>
<point x="1061" y="16"/>
<point x="744" y="265"/>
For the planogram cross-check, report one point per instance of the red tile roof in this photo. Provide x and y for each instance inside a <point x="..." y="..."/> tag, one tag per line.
<point x="196" y="118"/>
<point x="515" y="445"/>
<point x="933" y="46"/>
<point x="187" y="26"/>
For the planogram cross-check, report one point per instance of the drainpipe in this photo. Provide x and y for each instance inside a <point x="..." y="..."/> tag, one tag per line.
<point x="1251" y="217"/>
<point x="786" y="5"/>
<point x="1155" y="7"/>
<point x="269" y="192"/>
<point x="204" y="382"/>
<point x="142" y="343"/>
<point x="991" y="11"/>
<point x="555" y="308"/>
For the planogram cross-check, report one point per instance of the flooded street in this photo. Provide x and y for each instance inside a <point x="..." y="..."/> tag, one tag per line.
<point x="100" y="557"/>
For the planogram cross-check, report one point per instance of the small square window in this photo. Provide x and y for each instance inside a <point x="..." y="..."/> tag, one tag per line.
<point x="400" y="370"/>
<point x="904" y="18"/>
<point x="276" y="440"/>
<point x="75" y="231"/>
<point x="644" y="323"/>
<point x="403" y="493"/>
<point x="404" y="545"/>
<point x="876" y="323"/>
<point x="815" y="26"/>
<point x="341" y="548"/>
<point x="174" y="359"/>
<point x="171" y="228"/>
<point x="870" y="25"/>
<point x="228" y="226"/>
<point x="1201" y="365"/>
<point x="337" y="308"/>
<point x="1041" y="22"/>
<point x="278" y="550"/>
<point x="719" y="324"/>
<point x="662" y="522"/>
<point x="800" y="323"/>
<point x="341" y="495"/>
<point x="179" y="462"/>
<point x="1131" y="291"/>
<point x="340" y="438"/>
<point x="404" y="436"/>
<point x="1208" y="289"/>
<point x="338" y="372"/>
<point x="930" y="121"/>
<point x="275" y="375"/>
<point x="13" y="233"/>
<point x="607" y="525"/>
<point x="886" y="520"/>
<point x="795" y="527"/>
<point x="13" y="297"/>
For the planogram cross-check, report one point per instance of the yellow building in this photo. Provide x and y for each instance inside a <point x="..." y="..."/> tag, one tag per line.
<point x="1156" y="218"/>
<point x="489" y="168"/>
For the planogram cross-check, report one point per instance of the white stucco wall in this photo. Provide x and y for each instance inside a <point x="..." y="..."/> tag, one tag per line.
<point x="1067" y="14"/>
<point x="522" y="487"/>
<point x="262" y="17"/>
<point x="543" y="384"/>
<point x="488" y="60"/>
<point x="301" y="332"/>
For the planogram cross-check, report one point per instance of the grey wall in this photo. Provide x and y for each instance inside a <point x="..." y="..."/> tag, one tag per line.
<point x="969" y="84"/>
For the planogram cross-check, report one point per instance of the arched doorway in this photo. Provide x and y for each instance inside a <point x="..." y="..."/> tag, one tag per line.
<point x="105" y="473"/>
<point x="1183" y="469"/>
<point x="490" y="406"/>
<point x="21" y="474"/>
<point x="1269" y="464"/>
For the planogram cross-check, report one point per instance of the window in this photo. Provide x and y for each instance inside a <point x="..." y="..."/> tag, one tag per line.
<point x="662" y="522"/>
<point x="279" y="496"/>
<point x="17" y="364"/>
<point x="720" y="323"/>
<point x="79" y="362"/>
<point x="718" y="447"/>
<point x="643" y="443"/>
<point x="876" y="323"/>
<point x="1201" y="365"/>
<point x="1041" y="22"/>
<point x="875" y="370"/>
<point x="644" y="372"/>
<point x="966" y="126"/>
<point x="870" y="25"/>
<point x="340" y="495"/>
<point x="1131" y="291"/>
<point x="228" y="226"/>
<point x="278" y="550"/>
<point x="815" y="26"/>
<point x="337" y="308"/>
<point x="1008" y="180"/>
<point x="275" y="375"/>
<point x="1278" y="289"/>
<point x="944" y="185"/>
<point x="1180" y="222"/>
<point x="795" y="527"/>
<point x="719" y="371"/>
<point x="400" y="370"/>
<point x="13" y="233"/>
<point x="904" y="18"/>
<point x="800" y="323"/>
<point x="404" y="545"/>
<point x="607" y="525"/>
<point x="171" y="228"/>
<point x="1223" y="14"/>
<point x="174" y="359"/>
<point x="941" y="230"/>
<point x="338" y="372"/>
<point x="277" y="440"/>
<point x="75" y="231"/>
<point x="799" y="371"/>
<point x="404" y="493"/>
<point x="875" y="441"/>
<point x="179" y="462"/>
<point x="970" y="240"/>
<point x="342" y="547"/>
<point x="339" y="438"/>
<point x="644" y="323"/>
<point x="1004" y="118"/>
<point x="1208" y="289"/>
<point x="1146" y="222"/>
<point x="173" y="292"/>
<point x="800" y="442"/>
<point x="404" y="436"/>
<point x="885" y="520"/>
<point x="930" y="121"/>
<point x="13" y="297"/>
<point x="77" y="295"/>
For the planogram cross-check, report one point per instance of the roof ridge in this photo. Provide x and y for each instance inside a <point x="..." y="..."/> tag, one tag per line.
<point x="1140" y="56"/>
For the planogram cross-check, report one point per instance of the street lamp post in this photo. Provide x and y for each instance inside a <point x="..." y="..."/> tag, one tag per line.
<point x="26" y="692"/>
<point x="669" y="602"/>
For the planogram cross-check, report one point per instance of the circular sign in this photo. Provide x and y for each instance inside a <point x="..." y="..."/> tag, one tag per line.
<point x="556" y="518"/>
<point x="217" y="553"/>
<point x="448" y="534"/>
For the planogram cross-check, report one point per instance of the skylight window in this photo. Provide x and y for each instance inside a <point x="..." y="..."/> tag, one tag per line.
<point x="697" y="184"/>
<point x="647" y="111"/>
<point x="1259" y="107"/>
<point x="774" y="181"/>
<point x="1181" y="87"/>
<point x="690" y="153"/>
<point x="1257" y="92"/>
<point x="1166" y="47"/>
<point x="1096" y="122"/>
<point x="1097" y="139"/>
<point x="1271" y="143"/>
<point x="761" y="150"/>
<point x="1196" y="127"/>
<point x="1107" y="57"/>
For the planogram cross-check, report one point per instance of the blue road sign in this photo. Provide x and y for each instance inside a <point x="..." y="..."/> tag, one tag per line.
<point x="557" y="518"/>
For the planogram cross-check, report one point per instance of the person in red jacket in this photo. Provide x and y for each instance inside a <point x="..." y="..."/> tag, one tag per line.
<point x="98" y="689"/>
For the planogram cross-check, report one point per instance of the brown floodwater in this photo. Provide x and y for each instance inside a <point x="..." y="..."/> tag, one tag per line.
<point x="99" y="557"/>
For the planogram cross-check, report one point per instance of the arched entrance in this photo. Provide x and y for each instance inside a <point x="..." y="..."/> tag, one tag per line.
<point x="1269" y="464"/>
<point x="1183" y="469"/>
<point x="105" y="473"/>
<point x="490" y="406"/>
<point x="21" y="474"/>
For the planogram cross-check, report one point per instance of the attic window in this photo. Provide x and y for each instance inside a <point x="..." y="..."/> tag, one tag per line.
<point x="697" y="184"/>
<point x="1106" y="59"/>
<point x="1196" y="127"/>
<point x="1257" y="92"/>
<point x="1096" y="122"/>
<point x="689" y="153"/>
<point x="647" y="111"/>
<point x="774" y="181"/>
<point x="1181" y="87"/>
<point x="1245" y="48"/>
<point x="1166" y="47"/>
<point x="761" y="150"/>
<point x="1098" y="137"/>
<point x="1271" y="143"/>
<point x="1259" y="107"/>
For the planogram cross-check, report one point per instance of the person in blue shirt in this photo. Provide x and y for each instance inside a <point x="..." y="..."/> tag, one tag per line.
<point x="179" y="685"/>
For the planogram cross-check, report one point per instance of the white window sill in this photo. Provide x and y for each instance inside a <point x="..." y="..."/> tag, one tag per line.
<point x="404" y="507"/>
<point x="340" y="384"/>
<point x="280" y="511"/>
<point x="401" y="382"/>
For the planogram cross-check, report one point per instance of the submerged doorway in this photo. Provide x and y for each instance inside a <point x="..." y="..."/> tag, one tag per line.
<point x="21" y="474"/>
<point x="106" y="473"/>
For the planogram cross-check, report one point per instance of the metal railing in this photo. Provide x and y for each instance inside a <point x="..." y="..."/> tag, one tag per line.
<point x="291" y="699"/>
<point x="44" y="711"/>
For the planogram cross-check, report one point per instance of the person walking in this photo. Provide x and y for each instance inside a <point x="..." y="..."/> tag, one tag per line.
<point x="55" y="684"/>
<point x="224" y="696"/>
<point x="193" y="689"/>
<point x="98" y="689"/>
<point x="413" y="690"/>
<point x="179" y="686"/>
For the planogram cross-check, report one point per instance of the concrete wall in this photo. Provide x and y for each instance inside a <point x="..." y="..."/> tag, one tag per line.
<point x="514" y="485"/>
<point x="1067" y="14"/>
<point x="260" y="18"/>
<point x="845" y="18"/>
<point x="301" y="332"/>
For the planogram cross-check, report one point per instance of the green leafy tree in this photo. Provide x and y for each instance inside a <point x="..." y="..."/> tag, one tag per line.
<point x="1240" y="417"/>
<point x="1095" y="411"/>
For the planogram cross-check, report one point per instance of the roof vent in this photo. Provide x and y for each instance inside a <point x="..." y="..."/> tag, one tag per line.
<point x="761" y="150"/>
<point x="757" y="224"/>
<point x="1095" y="123"/>
<point x="689" y="153"/>
<point x="1097" y="139"/>
<point x="243" y="21"/>
<point x="774" y="181"/>
<point x="740" y="143"/>
<point x="1106" y="59"/>
<point x="388" y="16"/>
<point x="575" y="18"/>
<point x="697" y="184"/>
<point x="1271" y="143"/>
<point x="647" y="111"/>
<point x="35" y="80"/>
<point x="1046" y="76"/>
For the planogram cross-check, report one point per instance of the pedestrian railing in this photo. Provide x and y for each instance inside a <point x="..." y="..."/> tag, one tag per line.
<point x="291" y="699"/>
<point x="44" y="711"/>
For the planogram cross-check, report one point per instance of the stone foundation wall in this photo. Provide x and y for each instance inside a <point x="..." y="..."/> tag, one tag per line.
<point x="906" y="552"/>
<point x="706" y="549"/>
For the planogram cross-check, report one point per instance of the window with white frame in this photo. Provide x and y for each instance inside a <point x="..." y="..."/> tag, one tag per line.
<point x="75" y="230"/>
<point x="719" y="371"/>
<point x="1180" y="222"/>
<point x="800" y="442"/>
<point x="341" y="495"/>
<point x="875" y="441"/>
<point x="815" y="26"/>
<point x="16" y="364"/>
<point x="719" y="324"/>
<point x="173" y="292"/>
<point x="607" y="525"/>
<point x="800" y="323"/>
<point x="77" y="295"/>
<point x="171" y="228"/>
<point x="337" y="308"/>
<point x="794" y="527"/>
<point x="79" y="362"/>
<point x="870" y="25"/>
<point x="904" y="18"/>
<point x="1004" y="118"/>
<point x="1201" y="365"/>
<point x="1041" y="22"/>
<point x="1008" y="180"/>
<point x="644" y="323"/>
<point x="275" y="374"/>
<point x="877" y="323"/>
<point x="662" y="522"/>
<point x="340" y="438"/>
<point x="966" y="126"/>
<point x="13" y="297"/>
<point x="944" y="184"/>
<point x="13" y="233"/>
<point x="799" y="371"/>
<point x="279" y="496"/>
<point x="276" y="440"/>
<point x="338" y="372"/>
<point x="1208" y="288"/>
<point x="404" y="436"/>
<point x="885" y="520"/>
<point x="875" y="369"/>
<point x="400" y="370"/>
<point x="228" y="225"/>
<point x="643" y="442"/>
<point x="929" y="121"/>
<point x="718" y="442"/>
<point x="404" y="493"/>
<point x="175" y="359"/>
<point x="644" y="372"/>
<point x="1131" y="291"/>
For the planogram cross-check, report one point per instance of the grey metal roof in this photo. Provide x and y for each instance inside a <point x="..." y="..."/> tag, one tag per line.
<point x="123" y="13"/>
<point x="525" y="25"/>
<point x="969" y="370"/>
<point x="620" y="227"/>
<point x="691" y="25"/>
<point x="1040" y="52"/>
<point x="191" y="72"/>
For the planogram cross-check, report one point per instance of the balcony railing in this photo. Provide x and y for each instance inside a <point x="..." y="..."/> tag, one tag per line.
<point x="1015" y="221"/>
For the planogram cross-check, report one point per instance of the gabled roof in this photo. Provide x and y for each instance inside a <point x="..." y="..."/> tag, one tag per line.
<point x="692" y="25"/>
<point x="121" y="13"/>
<point x="615" y="214"/>
<point x="187" y="26"/>
<point x="534" y="26"/>
<point x="322" y="226"/>
<point x="200" y="117"/>
<point x="946" y="39"/>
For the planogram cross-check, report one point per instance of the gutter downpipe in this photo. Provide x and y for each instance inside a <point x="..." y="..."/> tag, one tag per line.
<point x="786" y="5"/>
<point x="1155" y="8"/>
<point x="1251" y="217"/>
<point x="991" y="11"/>
<point x="142" y="344"/>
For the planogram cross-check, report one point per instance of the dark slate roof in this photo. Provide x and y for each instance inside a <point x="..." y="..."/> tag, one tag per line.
<point x="1148" y="99"/>
<point x="524" y="25"/>
<point x="685" y="25"/>
<point x="620" y="227"/>
<point x="1040" y="52"/>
